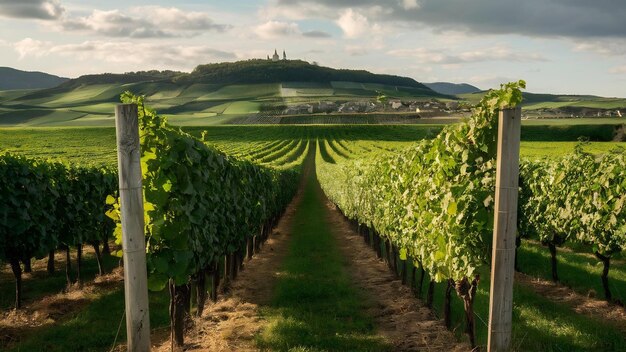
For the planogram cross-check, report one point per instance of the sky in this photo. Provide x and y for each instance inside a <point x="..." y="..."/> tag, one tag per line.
<point x="557" y="46"/>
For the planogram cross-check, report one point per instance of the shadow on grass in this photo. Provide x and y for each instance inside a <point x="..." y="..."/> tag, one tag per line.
<point x="538" y="323"/>
<point x="580" y="271"/>
<point x="93" y="328"/>
<point x="39" y="283"/>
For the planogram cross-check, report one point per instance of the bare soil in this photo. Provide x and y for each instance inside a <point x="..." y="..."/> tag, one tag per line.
<point x="53" y="308"/>
<point x="581" y="304"/>
<point x="401" y="319"/>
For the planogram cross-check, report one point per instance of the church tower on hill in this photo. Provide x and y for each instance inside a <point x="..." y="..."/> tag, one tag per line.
<point x="276" y="58"/>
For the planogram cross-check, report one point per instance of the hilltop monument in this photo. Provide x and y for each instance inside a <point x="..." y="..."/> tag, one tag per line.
<point x="276" y="58"/>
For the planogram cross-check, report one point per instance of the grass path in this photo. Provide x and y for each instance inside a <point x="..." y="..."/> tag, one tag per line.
<point x="315" y="305"/>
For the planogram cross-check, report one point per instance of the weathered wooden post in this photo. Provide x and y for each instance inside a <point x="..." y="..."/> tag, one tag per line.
<point x="133" y="237"/>
<point x="504" y="231"/>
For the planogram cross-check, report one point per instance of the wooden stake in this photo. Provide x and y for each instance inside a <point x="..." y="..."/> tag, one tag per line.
<point x="133" y="236"/>
<point x="504" y="231"/>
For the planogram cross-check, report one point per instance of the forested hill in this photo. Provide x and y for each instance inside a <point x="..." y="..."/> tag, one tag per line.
<point x="263" y="71"/>
<point x="11" y="78"/>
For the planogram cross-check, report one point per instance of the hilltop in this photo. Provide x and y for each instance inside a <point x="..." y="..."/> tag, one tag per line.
<point x="263" y="71"/>
<point x="11" y="78"/>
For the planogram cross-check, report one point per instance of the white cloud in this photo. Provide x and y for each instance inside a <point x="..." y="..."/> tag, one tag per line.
<point x="542" y="18"/>
<point x="113" y="23"/>
<point x="410" y="4"/>
<point x="174" y="18"/>
<point x="142" y="22"/>
<point x="354" y="24"/>
<point x="143" y="54"/>
<point x="276" y="29"/>
<point x="295" y="11"/>
<point x="613" y="47"/>
<point x="439" y="56"/>
<point x="618" y="70"/>
<point x="31" y="47"/>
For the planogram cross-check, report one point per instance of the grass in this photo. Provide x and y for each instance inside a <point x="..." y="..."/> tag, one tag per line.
<point x="96" y="145"/>
<point x="87" y="146"/>
<point x="95" y="327"/>
<point x="92" y="327"/>
<point x="576" y="121"/>
<point x="578" y="269"/>
<point x="538" y="323"/>
<point x="564" y="132"/>
<point x="538" y="150"/>
<point x="314" y="305"/>
<point x="39" y="283"/>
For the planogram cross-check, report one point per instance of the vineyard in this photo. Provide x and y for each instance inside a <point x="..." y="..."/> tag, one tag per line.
<point x="219" y="201"/>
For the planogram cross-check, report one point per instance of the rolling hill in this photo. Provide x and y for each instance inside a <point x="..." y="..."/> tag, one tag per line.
<point x="11" y="78"/>
<point x="210" y="94"/>
<point x="452" y="88"/>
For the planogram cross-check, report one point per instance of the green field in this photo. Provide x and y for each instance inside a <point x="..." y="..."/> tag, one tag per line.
<point x="97" y="145"/>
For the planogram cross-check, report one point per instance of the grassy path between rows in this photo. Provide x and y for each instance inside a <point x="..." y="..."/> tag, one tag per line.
<point x="315" y="306"/>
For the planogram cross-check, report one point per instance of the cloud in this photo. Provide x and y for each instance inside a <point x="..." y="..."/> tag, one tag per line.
<point x="356" y="50"/>
<point x="410" y="4"/>
<point x="618" y="70"/>
<point x="174" y="18"/>
<point x="603" y="47"/>
<point x="542" y="18"/>
<point x="296" y="10"/>
<point x="114" y="24"/>
<point x="31" y="47"/>
<point x="152" y="54"/>
<point x="276" y="29"/>
<point x="316" y="34"/>
<point x="439" y="56"/>
<point x="35" y="9"/>
<point x="143" y="22"/>
<point x="354" y="24"/>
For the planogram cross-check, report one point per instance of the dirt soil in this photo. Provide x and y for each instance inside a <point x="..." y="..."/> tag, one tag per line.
<point x="581" y="304"/>
<point x="53" y="308"/>
<point x="401" y="318"/>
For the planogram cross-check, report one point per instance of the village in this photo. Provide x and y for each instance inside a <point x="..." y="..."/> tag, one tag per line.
<point x="431" y="108"/>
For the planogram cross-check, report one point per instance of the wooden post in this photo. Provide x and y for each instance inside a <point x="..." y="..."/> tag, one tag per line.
<point x="504" y="231"/>
<point x="133" y="236"/>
